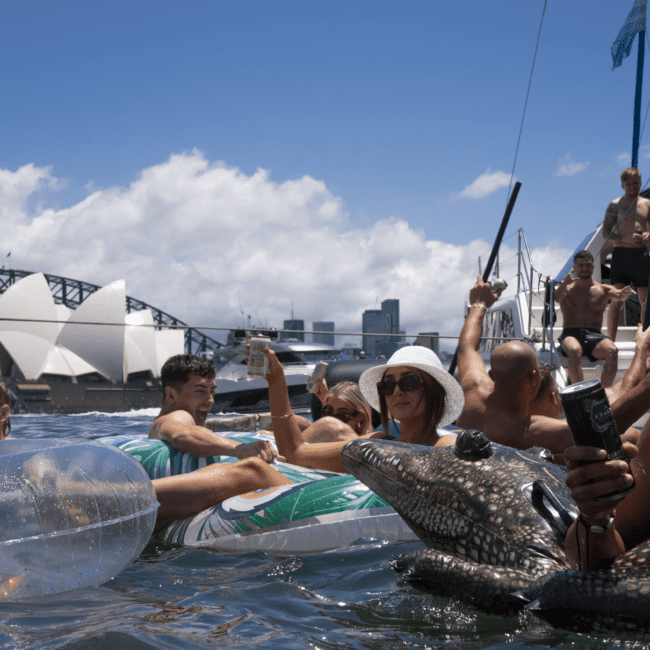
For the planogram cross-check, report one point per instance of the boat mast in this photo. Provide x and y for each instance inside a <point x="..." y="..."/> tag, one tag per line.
<point x="621" y="48"/>
<point x="637" y="100"/>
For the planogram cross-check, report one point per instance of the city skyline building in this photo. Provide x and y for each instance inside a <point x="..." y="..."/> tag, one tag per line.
<point x="429" y="340"/>
<point x="372" y="322"/>
<point x="323" y="326"/>
<point x="381" y="321"/>
<point x="293" y="324"/>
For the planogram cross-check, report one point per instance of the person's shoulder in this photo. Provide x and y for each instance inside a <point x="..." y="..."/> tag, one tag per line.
<point x="174" y="417"/>
<point x="476" y="382"/>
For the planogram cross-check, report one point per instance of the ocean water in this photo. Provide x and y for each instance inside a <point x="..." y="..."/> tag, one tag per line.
<point x="174" y="597"/>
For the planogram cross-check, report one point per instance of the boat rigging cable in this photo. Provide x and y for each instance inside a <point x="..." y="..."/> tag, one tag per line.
<point x="495" y="249"/>
<point x="530" y="81"/>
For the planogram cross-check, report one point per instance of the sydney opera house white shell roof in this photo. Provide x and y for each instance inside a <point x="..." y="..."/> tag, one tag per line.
<point x="40" y="338"/>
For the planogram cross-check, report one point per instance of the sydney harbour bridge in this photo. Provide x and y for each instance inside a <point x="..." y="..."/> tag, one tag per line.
<point x="72" y="293"/>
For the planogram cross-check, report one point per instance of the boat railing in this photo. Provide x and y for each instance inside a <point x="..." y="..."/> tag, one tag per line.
<point x="543" y="332"/>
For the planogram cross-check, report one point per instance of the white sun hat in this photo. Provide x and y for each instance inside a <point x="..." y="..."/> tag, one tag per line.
<point x="416" y="356"/>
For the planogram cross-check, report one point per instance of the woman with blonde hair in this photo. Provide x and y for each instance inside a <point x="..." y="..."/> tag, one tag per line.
<point x="345" y="415"/>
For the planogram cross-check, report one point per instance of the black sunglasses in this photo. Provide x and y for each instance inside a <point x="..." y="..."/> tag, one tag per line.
<point x="406" y="385"/>
<point x="341" y="414"/>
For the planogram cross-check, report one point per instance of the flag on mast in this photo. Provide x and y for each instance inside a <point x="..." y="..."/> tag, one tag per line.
<point x="634" y="23"/>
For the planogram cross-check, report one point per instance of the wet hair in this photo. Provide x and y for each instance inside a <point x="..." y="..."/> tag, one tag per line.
<point x="176" y="370"/>
<point x="350" y="392"/>
<point x="435" y="398"/>
<point x="5" y="398"/>
<point x="629" y="172"/>
<point x="583" y="255"/>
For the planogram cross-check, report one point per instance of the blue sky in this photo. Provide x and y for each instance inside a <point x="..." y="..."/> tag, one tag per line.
<point x="368" y="119"/>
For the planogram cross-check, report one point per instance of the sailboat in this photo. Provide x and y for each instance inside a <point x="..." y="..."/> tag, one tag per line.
<point x="531" y="314"/>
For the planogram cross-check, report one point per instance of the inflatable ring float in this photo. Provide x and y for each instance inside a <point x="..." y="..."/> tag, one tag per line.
<point x="320" y="511"/>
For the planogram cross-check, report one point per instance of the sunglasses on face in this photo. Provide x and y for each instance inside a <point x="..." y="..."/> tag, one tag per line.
<point x="406" y="385"/>
<point x="341" y="414"/>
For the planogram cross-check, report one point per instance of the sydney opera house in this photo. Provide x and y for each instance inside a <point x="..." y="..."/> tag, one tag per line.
<point x="97" y="357"/>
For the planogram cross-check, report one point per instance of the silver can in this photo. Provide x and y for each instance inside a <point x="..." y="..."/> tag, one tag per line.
<point x="592" y="424"/>
<point x="319" y="372"/>
<point x="258" y="363"/>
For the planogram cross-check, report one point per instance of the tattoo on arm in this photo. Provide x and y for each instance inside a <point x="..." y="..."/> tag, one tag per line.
<point x="609" y="223"/>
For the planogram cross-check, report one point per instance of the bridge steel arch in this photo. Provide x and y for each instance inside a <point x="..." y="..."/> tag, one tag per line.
<point x="72" y="293"/>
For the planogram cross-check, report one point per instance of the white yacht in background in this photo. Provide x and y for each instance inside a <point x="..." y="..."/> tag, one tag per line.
<point x="237" y="392"/>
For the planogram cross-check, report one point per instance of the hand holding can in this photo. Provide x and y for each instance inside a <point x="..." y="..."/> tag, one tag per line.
<point x="258" y="363"/>
<point x="319" y="373"/>
<point x="592" y="424"/>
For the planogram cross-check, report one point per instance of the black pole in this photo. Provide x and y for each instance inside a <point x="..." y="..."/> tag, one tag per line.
<point x="646" y="315"/>
<point x="493" y="254"/>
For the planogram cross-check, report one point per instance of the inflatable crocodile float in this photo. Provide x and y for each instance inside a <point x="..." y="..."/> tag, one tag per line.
<point x="493" y="520"/>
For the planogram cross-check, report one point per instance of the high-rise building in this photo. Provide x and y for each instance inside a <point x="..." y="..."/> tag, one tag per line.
<point x="381" y="321"/>
<point x="429" y="340"/>
<point x="390" y="309"/>
<point x="293" y="325"/>
<point x="372" y="322"/>
<point x="323" y="326"/>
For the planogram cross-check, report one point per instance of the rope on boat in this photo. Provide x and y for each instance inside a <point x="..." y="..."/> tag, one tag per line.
<point x="530" y="80"/>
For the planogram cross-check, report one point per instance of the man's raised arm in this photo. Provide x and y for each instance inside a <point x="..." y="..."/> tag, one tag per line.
<point x="637" y="370"/>
<point x="470" y="364"/>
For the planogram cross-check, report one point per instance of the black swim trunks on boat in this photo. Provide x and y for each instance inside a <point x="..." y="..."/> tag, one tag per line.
<point x="630" y="266"/>
<point x="588" y="338"/>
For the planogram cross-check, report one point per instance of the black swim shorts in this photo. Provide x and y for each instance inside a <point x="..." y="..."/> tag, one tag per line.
<point x="630" y="266"/>
<point x="588" y="338"/>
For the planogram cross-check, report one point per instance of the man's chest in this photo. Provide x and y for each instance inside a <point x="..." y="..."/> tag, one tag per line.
<point x="587" y="297"/>
<point x="629" y="215"/>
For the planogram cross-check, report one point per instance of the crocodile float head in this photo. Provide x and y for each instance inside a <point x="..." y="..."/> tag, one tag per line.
<point x="493" y="518"/>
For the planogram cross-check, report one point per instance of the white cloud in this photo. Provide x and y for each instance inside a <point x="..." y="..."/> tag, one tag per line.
<point x="624" y="158"/>
<point x="16" y="188"/>
<point x="569" y="168"/>
<point x="197" y="240"/>
<point x="487" y="183"/>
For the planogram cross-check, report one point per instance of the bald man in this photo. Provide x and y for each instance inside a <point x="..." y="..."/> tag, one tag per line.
<point x="500" y="402"/>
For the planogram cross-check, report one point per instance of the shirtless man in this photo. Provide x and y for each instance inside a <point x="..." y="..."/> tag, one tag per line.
<point x="5" y="402"/>
<point x="583" y="302"/>
<point x="626" y="224"/>
<point x="498" y="402"/>
<point x="188" y="393"/>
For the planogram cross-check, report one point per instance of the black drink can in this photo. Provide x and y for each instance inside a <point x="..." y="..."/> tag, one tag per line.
<point x="592" y="424"/>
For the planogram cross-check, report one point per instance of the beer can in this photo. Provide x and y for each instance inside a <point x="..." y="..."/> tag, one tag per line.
<point x="258" y="363"/>
<point x="319" y="373"/>
<point x="499" y="285"/>
<point x="592" y="424"/>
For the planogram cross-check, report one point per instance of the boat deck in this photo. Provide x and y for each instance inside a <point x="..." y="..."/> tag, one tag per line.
<point x="591" y="369"/>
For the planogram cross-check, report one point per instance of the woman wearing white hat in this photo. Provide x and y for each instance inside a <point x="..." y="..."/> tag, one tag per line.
<point x="412" y="388"/>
